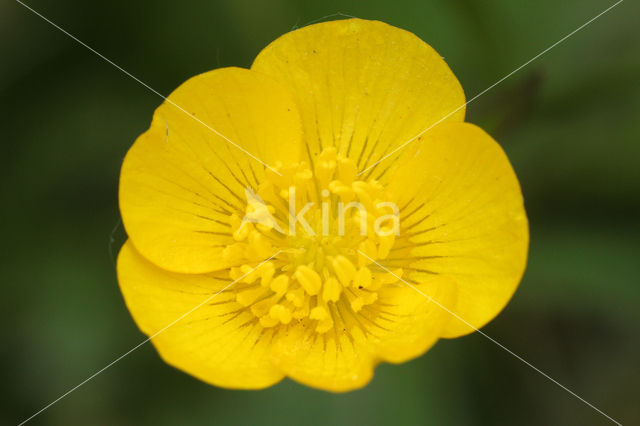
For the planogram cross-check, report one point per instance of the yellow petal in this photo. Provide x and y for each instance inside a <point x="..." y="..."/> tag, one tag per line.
<point x="364" y="87"/>
<point x="402" y="324"/>
<point x="180" y="181"/>
<point x="464" y="213"/>
<point x="331" y="360"/>
<point x="414" y="317"/>
<point x="218" y="342"/>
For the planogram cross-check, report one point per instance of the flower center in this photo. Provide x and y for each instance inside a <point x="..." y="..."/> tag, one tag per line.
<point x="319" y="220"/>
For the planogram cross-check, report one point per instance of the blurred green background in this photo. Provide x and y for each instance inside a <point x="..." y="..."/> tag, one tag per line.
<point x="569" y="123"/>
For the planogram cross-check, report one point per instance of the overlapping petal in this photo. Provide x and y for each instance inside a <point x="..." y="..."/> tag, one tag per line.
<point x="401" y="325"/>
<point x="414" y="316"/>
<point x="219" y="341"/>
<point x="363" y="86"/>
<point x="181" y="181"/>
<point x="197" y="326"/>
<point x="462" y="210"/>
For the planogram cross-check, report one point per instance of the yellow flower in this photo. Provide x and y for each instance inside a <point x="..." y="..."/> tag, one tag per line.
<point x="323" y="294"/>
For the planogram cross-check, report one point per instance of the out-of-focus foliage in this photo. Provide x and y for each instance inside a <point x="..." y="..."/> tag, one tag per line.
<point x="568" y="121"/>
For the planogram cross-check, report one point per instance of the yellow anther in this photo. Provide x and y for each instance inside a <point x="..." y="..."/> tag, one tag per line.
<point x="280" y="313"/>
<point x="347" y="170"/>
<point x="344" y="269"/>
<point x="267" y="270"/>
<point x="331" y="290"/>
<point x="319" y="313"/>
<point x="280" y="284"/>
<point x="249" y="273"/>
<point x="303" y="311"/>
<point x="361" y="299"/>
<point x="296" y="296"/>
<point x="303" y="176"/>
<point x="308" y="279"/>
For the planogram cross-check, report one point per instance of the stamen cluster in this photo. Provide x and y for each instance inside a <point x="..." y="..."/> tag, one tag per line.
<point x="319" y="271"/>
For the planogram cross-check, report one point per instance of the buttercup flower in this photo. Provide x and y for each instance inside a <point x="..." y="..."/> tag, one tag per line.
<point x="284" y="181"/>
